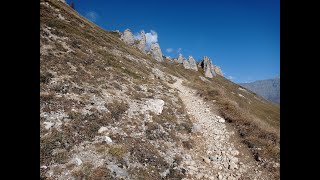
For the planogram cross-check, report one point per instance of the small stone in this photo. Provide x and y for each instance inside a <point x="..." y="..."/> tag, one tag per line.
<point x="78" y="161"/>
<point x="44" y="167"/>
<point x="156" y="52"/>
<point x="199" y="176"/>
<point x="196" y="128"/>
<point x="193" y="168"/>
<point x="108" y="139"/>
<point x="234" y="153"/>
<point x="206" y="160"/>
<point x="232" y="165"/>
<point x="48" y="125"/>
<point x="190" y="172"/>
<point x="225" y="164"/>
<point x="220" y="177"/>
<point x="234" y="159"/>
<point x="231" y="178"/>
<point x="102" y="129"/>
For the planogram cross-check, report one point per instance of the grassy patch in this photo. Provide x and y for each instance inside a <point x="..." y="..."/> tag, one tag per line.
<point x="117" y="109"/>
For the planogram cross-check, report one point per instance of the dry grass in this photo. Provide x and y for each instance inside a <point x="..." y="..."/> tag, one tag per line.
<point x="117" y="109"/>
<point x="257" y="121"/>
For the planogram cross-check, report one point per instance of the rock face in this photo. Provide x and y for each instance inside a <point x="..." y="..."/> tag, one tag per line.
<point x="199" y="64"/>
<point x="180" y="59"/>
<point x="168" y="58"/>
<point x="156" y="52"/>
<point x="127" y="37"/>
<point x="193" y="64"/>
<point x="186" y="64"/>
<point x="142" y="42"/>
<point x="206" y="65"/>
<point x="218" y="70"/>
<point x="212" y="69"/>
<point x="155" y="105"/>
<point x="158" y="74"/>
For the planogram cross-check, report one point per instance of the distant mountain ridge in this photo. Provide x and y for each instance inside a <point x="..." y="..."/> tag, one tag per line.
<point x="268" y="89"/>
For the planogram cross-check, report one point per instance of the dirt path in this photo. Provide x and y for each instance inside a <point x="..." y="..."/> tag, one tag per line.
<point x="215" y="156"/>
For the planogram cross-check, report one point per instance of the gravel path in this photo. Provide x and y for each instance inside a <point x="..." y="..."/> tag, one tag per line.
<point x="215" y="156"/>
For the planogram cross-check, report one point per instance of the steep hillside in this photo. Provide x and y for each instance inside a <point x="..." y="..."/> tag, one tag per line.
<point x="268" y="89"/>
<point x="108" y="110"/>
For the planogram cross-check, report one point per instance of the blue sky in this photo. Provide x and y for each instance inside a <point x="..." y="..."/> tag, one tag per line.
<point x="240" y="36"/>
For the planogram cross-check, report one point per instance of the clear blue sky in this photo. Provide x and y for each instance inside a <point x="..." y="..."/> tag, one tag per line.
<point x="240" y="36"/>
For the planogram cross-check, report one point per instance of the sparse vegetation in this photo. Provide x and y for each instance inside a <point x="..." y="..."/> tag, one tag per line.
<point x="117" y="151"/>
<point x="103" y="70"/>
<point x="117" y="108"/>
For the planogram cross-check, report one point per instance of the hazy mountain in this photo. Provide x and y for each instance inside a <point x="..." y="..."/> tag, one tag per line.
<point x="268" y="89"/>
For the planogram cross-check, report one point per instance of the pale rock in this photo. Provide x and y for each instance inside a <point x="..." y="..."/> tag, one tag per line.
<point x="225" y="164"/>
<point x="199" y="176"/>
<point x="231" y="178"/>
<point x="156" y="52"/>
<point x="165" y="173"/>
<point x="212" y="69"/>
<point x="127" y="37"/>
<point x="191" y="173"/>
<point x="232" y="165"/>
<point x="206" y="160"/>
<point x="193" y="168"/>
<point x="155" y="105"/>
<point x="221" y="120"/>
<point x="78" y="161"/>
<point x="180" y="58"/>
<point x="196" y="128"/>
<point x="186" y="64"/>
<point x="206" y="65"/>
<point x="193" y="64"/>
<point x="102" y="129"/>
<point x="118" y="171"/>
<point x="158" y="74"/>
<point x="107" y="139"/>
<point x="204" y="79"/>
<point x="218" y="70"/>
<point x="48" y="125"/>
<point x="142" y="42"/>
<point x="234" y="152"/>
<point x="234" y="159"/>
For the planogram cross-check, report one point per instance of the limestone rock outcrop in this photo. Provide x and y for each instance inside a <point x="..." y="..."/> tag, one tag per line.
<point x="212" y="69"/>
<point x="142" y="42"/>
<point x="127" y="37"/>
<point x="193" y="64"/>
<point x="156" y="52"/>
<point x="218" y="70"/>
<point x="180" y="59"/>
<point x="186" y="64"/>
<point x="206" y="65"/>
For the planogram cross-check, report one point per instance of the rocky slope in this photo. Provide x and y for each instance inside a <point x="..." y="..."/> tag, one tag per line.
<point x="268" y="89"/>
<point x="111" y="110"/>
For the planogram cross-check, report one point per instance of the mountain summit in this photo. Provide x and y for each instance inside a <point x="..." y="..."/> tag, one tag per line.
<point x="268" y="89"/>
